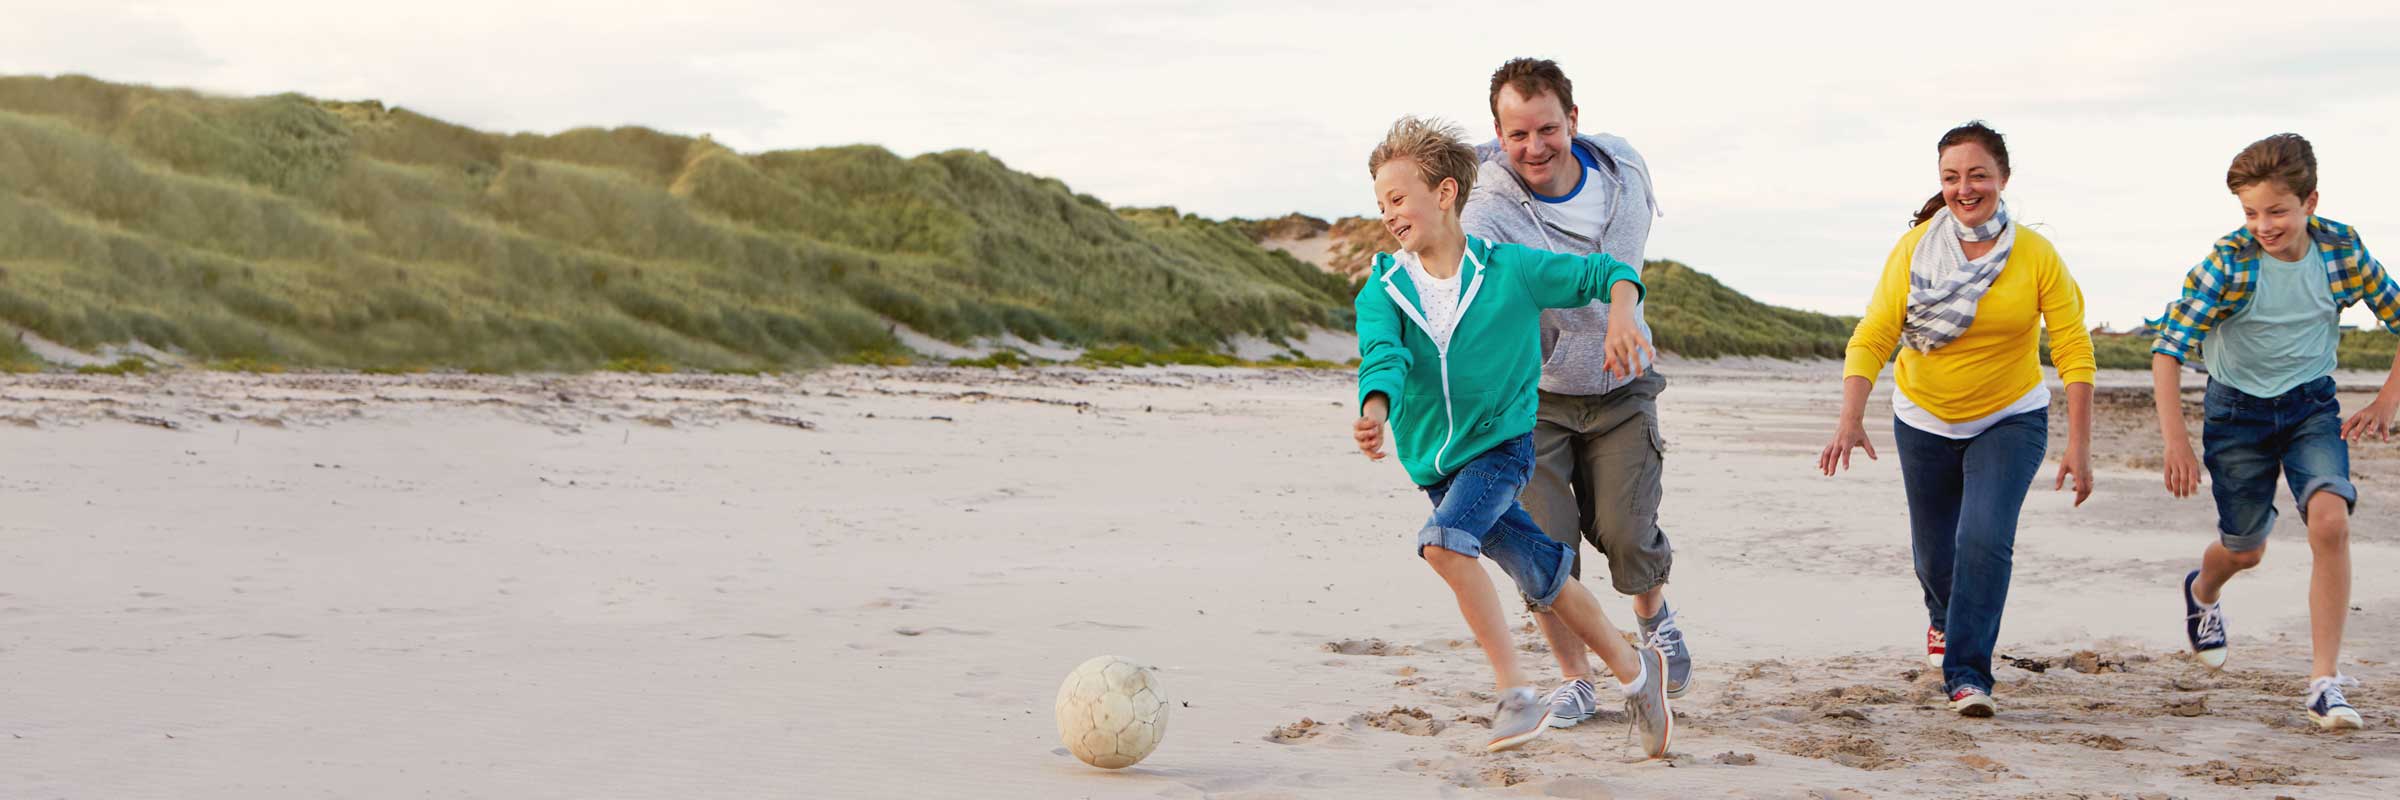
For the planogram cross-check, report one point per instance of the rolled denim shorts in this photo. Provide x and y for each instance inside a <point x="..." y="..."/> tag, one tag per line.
<point x="2248" y="440"/>
<point x="1475" y="513"/>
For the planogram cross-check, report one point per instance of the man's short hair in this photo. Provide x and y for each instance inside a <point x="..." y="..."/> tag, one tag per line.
<point x="1533" y="77"/>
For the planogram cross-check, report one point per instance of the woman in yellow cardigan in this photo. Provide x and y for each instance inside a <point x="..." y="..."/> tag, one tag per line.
<point x="1968" y="293"/>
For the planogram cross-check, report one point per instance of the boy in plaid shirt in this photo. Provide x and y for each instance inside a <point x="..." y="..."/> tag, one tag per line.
<point x="2268" y="300"/>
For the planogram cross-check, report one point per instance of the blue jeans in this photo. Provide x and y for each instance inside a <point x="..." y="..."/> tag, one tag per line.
<point x="1963" y="499"/>
<point x="2247" y="440"/>
<point x="1475" y="513"/>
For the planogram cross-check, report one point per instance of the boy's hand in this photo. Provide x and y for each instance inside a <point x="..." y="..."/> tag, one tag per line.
<point x="2183" y="470"/>
<point x="1625" y="347"/>
<point x="2078" y="462"/>
<point x="1368" y="430"/>
<point x="2376" y="418"/>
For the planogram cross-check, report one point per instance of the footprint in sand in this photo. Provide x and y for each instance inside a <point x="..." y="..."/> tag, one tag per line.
<point x="1849" y="750"/>
<point x="1410" y="720"/>
<point x="1303" y="730"/>
<point x="2225" y="774"/>
<point x="1368" y="647"/>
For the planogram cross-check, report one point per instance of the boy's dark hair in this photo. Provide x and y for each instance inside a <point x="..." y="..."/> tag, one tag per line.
<point x="1974" y="131"/>
<point x="1533" y="77"/>
<point x="1436" y="148"/>
<point x="2285" y="158"/>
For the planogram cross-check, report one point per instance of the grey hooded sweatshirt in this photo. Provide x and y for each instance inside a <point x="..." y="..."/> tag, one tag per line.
<point x="1501" y="208"/>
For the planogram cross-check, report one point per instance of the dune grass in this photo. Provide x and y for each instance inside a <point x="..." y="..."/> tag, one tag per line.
<point x="290" y="231"/>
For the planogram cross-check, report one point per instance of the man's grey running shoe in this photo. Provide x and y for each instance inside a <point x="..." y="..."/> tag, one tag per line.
<point x="1573" y="702"/>
<point x="1665" y="636"/>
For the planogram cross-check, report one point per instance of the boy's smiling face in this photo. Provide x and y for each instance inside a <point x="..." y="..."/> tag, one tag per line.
<point x="1971" y="183"/>
<point x="2277" y="217"/>
<point x="1413" y="212"/>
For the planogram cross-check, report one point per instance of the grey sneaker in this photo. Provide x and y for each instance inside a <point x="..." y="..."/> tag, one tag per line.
<point x="1666" y="637"/>
<point x="1521" y="716"/>
<point x="1575" y="701"/>
<point x="1647" y="709"/>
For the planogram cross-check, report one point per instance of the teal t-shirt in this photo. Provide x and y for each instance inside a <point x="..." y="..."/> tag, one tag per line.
<point x="2287" y="334"/>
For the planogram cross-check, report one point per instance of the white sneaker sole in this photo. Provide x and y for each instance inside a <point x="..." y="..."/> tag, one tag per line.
<point x="2342" y="719"/>
<point x="2212" y="659"/>
<point x="1978" y="706"/>
<point x="1497" y="745"/>
<point x="1933" y="660"/>
<point x="1563" y="723"/>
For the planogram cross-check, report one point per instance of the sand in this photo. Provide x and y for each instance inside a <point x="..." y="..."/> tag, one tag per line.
<point x="869" y="583"/>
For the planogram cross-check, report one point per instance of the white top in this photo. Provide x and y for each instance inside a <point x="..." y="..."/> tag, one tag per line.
<point x="1438" y="296"/>
<point x="1917" y="417"/>
<point x="1584" y="210"/>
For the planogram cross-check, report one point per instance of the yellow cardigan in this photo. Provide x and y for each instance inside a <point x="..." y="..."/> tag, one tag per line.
<point x="1994" y="363"/>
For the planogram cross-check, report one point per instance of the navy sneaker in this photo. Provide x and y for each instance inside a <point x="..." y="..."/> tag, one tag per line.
<point x="2328" y="708"/>
<point x="2204" y="626"/>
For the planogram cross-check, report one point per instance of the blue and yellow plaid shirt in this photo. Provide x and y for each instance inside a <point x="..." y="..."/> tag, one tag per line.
<point x="2220" y="286"/>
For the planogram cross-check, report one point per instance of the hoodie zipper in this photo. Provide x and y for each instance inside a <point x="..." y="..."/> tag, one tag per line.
<point x="1441" y="350"/>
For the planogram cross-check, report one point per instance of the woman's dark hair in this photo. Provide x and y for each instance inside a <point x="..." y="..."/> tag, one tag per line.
<point x="1978" y="133"/>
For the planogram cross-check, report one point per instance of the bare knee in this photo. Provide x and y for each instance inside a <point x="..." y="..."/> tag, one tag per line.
<point x="1443" y="558"/>
<point x="2329" y="531"/>
<point x="2245" y="559"/>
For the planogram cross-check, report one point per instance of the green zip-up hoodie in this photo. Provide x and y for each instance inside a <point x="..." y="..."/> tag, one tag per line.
<point x="1449" y="406"/>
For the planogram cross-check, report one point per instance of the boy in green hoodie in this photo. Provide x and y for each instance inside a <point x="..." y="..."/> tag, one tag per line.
<point x="1449" y="340"/>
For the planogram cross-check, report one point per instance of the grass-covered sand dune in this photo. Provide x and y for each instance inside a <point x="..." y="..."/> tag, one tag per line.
<point x="291" y="231"/>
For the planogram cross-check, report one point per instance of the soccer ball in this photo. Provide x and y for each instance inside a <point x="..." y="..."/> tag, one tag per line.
<point x="1111" y="712"/>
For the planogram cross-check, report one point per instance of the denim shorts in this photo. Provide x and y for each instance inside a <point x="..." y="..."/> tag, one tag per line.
<point x="2247" y="440"/>
<point x="1475" y="513"/>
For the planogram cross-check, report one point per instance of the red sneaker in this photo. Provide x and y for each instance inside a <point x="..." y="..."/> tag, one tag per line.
<point x="1933" y="647"/>
<point x="1970" y="701"/>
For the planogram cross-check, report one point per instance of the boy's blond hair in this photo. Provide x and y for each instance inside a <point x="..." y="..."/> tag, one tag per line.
<point x="2284" y="158"/>
<point x="1435" y="146"/>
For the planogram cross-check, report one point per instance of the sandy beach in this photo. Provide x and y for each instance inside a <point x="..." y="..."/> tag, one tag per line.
<point x="869" y="582"/>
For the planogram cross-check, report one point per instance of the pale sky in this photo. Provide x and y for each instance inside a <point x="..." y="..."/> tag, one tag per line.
<point x="1789" y="140"/>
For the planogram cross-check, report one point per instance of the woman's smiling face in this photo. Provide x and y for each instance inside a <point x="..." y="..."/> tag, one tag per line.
<point x="1971" y="183"/>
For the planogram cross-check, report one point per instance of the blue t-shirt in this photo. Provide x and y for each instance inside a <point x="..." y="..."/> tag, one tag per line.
<point x="2285" y="337"/>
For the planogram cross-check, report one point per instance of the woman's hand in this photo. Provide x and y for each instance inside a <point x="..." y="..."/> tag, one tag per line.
<point x="1849" y="435"/>
<point x="2078" y="462"/>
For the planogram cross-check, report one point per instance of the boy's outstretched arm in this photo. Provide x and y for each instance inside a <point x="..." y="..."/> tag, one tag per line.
<point x="1557" y="280"/>
<point x="1626" y="350"/>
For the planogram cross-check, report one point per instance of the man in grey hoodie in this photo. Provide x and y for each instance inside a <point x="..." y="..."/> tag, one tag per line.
<point x="1597" y="449"/>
